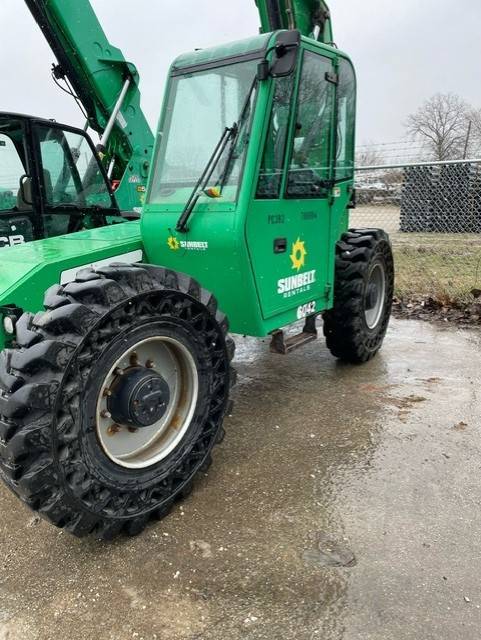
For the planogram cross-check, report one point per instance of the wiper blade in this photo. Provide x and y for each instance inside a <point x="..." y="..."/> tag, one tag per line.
<point x="67" y="206"/>
<point x="204" y="178"/>
<point x="239" y="127"/>
<point x="77" y="208"/>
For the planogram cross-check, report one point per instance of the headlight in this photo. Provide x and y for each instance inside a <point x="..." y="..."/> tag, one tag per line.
<point x="9" y="324"/>
<point x="10" y="314"/>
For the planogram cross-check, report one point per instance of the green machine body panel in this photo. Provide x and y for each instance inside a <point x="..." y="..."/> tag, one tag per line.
<point x="28" y="270"/>
<point x="268" y="260"/>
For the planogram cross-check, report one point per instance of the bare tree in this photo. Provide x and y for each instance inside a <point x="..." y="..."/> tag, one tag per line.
<point x="441" y="124"/>
<point x="368" y="155"/>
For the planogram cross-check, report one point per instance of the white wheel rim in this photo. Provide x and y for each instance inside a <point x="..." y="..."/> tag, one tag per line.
<point x="146" y="446"/>
<point x="376" y="279"/>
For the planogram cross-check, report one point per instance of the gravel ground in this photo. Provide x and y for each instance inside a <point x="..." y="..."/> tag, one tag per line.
<point x="343" y="504"/>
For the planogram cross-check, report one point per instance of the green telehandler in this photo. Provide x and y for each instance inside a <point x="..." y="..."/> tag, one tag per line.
<point x="113" y="397"/>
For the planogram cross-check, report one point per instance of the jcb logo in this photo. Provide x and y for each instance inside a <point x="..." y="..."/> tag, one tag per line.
<point x="11" y="241"/>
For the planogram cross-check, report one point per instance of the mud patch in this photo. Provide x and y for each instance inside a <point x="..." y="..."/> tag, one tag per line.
<point x="405" y="403"/>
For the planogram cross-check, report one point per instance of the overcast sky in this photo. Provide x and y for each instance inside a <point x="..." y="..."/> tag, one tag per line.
<point x="403" y="52"/>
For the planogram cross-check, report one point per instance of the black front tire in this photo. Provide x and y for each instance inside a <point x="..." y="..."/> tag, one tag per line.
<point x="349" y="334"/>
<point x="50" y="454"/>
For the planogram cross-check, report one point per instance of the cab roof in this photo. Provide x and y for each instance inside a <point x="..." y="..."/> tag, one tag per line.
<point x="22" y="116"/>
<point x="249" y="48"/>
<point x="256" y="46"/>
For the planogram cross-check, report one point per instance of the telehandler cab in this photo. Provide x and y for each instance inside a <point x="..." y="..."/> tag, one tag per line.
<point x="113" y="398"/>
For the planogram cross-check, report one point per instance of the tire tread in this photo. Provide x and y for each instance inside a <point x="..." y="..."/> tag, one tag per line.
<point x="46" y="343"/>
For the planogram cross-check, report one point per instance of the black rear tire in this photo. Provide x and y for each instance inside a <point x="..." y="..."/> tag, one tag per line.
<point x="51" y="454"/>
<point x="356" y="326"/>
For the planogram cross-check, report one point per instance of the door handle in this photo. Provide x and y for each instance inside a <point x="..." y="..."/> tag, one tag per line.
<point x="280" y="245"/>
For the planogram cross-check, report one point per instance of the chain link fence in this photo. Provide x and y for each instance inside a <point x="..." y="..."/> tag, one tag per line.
<point x="433" y="215"/>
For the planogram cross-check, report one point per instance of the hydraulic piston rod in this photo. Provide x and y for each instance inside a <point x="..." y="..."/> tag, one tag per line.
<point x="113" y="116"/>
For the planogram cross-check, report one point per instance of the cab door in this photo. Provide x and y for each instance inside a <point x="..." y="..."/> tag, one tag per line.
<point x="18" y="221"/>
<point x="288" y="224"/>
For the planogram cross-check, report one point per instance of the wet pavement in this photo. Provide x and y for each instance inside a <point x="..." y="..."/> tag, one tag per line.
<point x="344" y="503"/>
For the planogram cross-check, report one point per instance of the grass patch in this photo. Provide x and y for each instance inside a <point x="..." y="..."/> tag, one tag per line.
<point x="444" y="266"/>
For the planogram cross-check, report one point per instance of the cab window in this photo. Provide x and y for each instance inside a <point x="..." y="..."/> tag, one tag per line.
<point x="272" y="167"/>
<point x="11" y="165"/>
<point x="310" y="163"/>
<point x="70" y="170"/>
<point x="346" y="118"/>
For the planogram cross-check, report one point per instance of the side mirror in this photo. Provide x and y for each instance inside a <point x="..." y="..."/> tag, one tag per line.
<point x="285" y="54"/>
<point x="26" y="189"/>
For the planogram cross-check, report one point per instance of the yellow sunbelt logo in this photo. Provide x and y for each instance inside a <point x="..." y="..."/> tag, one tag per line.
<point x="298" y="255"/>
<point x="301" y="282"/>
<point x="173" y="243"/>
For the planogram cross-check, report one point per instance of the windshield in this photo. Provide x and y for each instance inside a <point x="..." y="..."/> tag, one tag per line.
<point x="200" y="107"/>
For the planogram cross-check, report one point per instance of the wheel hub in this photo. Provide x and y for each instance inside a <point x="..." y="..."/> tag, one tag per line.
<point x="139" y="398"/>
<point x="372" y="295"/>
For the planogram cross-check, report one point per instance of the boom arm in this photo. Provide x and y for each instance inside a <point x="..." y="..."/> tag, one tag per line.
<point x="311" y="17"/>
<point x="105" y="85"/>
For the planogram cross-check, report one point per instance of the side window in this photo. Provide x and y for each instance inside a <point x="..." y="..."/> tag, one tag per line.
<point x="310" y="164"/>
<point x="346" y="121"/>
<point x="270" y="176"/>
<point x="93" y="187"/>
<point x="71" y="173"/>
<point x="11" y="168"/>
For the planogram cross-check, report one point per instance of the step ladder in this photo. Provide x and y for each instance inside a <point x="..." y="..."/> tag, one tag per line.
<point x="282" y="345"/>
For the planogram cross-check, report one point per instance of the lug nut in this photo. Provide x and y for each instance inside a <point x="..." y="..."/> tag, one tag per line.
<point x="107" y="393"/>
<point x="118" y="372"/>
<point x="105" y="414"/>
<point x="150" y="364"/>
<point x="113" y="429"/>
<point x="132" y="430"/>
<point x="134" y="359"/>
